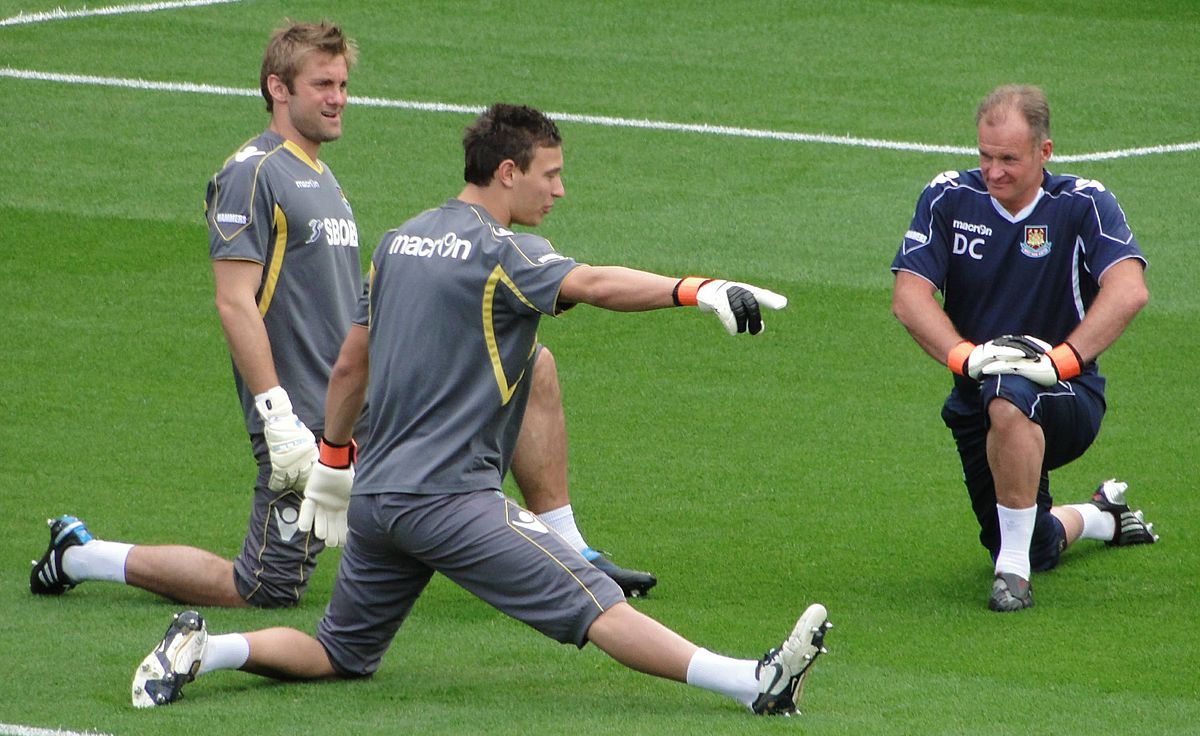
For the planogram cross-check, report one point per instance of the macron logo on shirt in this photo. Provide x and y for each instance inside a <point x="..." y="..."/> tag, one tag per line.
<point x="447" y="246"/>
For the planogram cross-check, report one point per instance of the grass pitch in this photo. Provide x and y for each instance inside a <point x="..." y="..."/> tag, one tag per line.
<point x="752" y="476"/>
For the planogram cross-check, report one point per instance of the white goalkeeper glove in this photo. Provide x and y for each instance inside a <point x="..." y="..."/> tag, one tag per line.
<point x="292" y="447"/>
<point x="327" y="495"/>
<point x="737" y="305"/>
<point x="1046" y="365"/>
<point x="971" y="360"/>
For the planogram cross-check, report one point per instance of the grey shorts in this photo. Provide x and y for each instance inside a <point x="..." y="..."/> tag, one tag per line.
<point x="277" y="559"/>
<point x="482" y="541"/>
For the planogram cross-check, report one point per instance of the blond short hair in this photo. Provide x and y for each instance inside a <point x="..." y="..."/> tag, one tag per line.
<point x="290" y="46"/>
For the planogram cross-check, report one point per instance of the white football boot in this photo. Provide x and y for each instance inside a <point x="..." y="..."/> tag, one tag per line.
<point x="782" y="671"/>
<point x="160" y="678"/>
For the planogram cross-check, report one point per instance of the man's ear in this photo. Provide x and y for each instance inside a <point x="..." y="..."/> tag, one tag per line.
<point x="278" y="90"/>
<point x="506" y="172"/>
<point x="1046" y="149"/>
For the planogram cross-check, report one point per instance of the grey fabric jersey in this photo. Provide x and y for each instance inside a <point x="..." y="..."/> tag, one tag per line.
<point x="455" y="301"/>
<point x="272" y="205"/>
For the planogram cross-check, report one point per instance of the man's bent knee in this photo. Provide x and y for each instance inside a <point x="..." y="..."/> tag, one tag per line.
<point x="1005" y="415"/>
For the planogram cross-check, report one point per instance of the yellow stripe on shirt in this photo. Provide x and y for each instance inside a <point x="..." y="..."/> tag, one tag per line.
<point x="299" y="153"/>
<point x="489" y="330"/>
<point x="281" y="233"/>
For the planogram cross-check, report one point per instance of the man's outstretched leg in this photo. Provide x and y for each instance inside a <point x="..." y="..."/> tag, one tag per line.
<point x="184" y="574"/>
<point x="539" y="466"/>
<point x="271" y="571"/>
<point x="1107" y="517"/>
<point x="187" y="651"/>
<point x="771" y="685"/>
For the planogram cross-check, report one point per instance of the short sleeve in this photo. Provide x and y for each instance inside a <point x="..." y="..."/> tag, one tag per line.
<point x="239" y="207"/>
<point x="1106" y="235"/>
<point x="924" y="250"/>
<point x="536" y="270"/>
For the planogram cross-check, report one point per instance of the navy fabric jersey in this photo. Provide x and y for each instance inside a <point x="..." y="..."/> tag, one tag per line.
<point x="1036" y="273"/>
<point x="1033" y="273"/>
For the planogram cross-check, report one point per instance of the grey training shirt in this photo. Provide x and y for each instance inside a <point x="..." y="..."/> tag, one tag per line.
<point x="455" y="301"/>
<point x="272" y="205"/>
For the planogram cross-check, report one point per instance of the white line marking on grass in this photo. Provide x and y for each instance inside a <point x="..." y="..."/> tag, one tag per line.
<point x="12" y="729"/>
<point x="127" y="83"/>
<point x="1129" y="152"/>
<point x="60" y="14"/>
<point x="722" y="130"/>
<point x="612" y="122"/>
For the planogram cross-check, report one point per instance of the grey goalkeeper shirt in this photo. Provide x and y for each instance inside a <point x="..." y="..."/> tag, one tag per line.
<point x="455" y="301"/>
<point x="273" y="205"/>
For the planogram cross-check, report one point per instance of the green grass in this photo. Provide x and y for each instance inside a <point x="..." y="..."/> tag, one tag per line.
<point x="751" y="475"/>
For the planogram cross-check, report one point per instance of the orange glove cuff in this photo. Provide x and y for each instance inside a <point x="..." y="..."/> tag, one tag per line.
<point x="1066" y="359"/>
<point x="956" y="360"/>
<point x="338" y="456"/>
<point x="685" y="290"/>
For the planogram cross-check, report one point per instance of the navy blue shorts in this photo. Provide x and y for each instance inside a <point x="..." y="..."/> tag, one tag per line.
<point x="1069" y="414"/>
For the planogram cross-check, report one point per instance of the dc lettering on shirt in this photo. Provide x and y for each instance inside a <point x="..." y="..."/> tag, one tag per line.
<point x="969" y="239"/>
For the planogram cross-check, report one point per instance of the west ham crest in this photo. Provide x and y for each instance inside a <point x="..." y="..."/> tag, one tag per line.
<point x="1036" y="243"/>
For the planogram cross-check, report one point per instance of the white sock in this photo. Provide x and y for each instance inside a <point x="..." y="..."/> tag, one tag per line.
<point x="562" y="520"/>
<point x="1097" y="524"/>
<point x="96" y="560"/>
<point x="224" y="652"/>
<point x="1016" y="532"/>
<point x="724" y="675"/>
